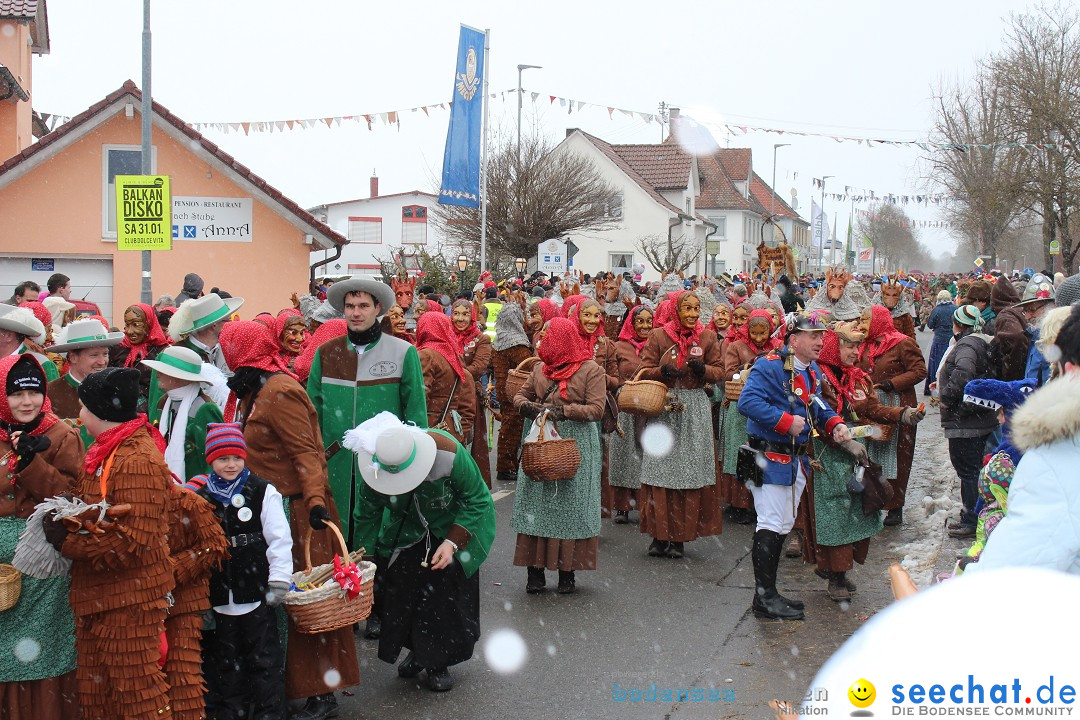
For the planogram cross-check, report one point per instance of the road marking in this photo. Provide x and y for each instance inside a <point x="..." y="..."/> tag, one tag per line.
<point x="497" y="496"/>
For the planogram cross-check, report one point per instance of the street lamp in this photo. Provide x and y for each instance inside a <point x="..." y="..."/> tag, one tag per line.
<point x="520" y="264"/>
<point x="772" y="208"/>
<point x="520" y="92"/>
<point x="462" y="263"/>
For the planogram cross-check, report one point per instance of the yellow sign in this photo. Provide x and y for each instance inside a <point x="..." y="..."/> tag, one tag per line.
<point x="143" y="212"/>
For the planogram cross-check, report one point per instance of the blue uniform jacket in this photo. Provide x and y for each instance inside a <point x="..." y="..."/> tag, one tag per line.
<point x="766" y="402"/>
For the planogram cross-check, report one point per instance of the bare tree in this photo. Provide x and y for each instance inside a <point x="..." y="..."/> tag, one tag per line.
<point x="544" y="194"/>
<point x="889" y="229"/>
<point x="984" y="177"/>
<point x="667" y="254"/>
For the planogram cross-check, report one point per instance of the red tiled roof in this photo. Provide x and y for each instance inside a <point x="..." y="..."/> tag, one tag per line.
<point x="129" y="88"/>
<point x="629" y="171"/>
<point x="717" y="189"/>
<point x="18" y="8"/>
<point x="760" y="190"/>
<point x="736" y="162"/>
<point x="664" y="167"/>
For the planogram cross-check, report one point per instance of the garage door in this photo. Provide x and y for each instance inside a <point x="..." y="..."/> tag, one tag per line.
<point x="91" y="276"/>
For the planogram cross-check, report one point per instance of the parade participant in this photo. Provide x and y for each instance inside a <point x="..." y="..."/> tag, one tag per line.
<point x="1038" y="297"/>
<point x="896" y="366"/>
<point x="475" y="349"/>
<point x="781" y="404"/>
<point x="355" y="377"/>
<point x="511" y="347"/>
<point x="450" y="390"/>
<point x="892" y="296"/>
<point x="43" y="316"/>
<point x="678" y="498"/>
<point x="720" y="323"/>
<point x="739" y="315"/>
<point x="197" y="326"/>
<point x="965" y="426"/>
<point x="143" y="340"/>
<point x="39" y="458"/>
<point x="196" y="546"/>
<point x="940" y="322"/>
<point x="244" y="659"/>
<point x="558" y="527"/>
<point x="86" y="344"/>
<point x="326" y="332"/>
<point x="837" y="302"/>
<point x="120" y="579"/>
<point x="21" y="332"/>
<point x="285" y="447"/>
<point x="624" y="446"/>
<point x="424" y="500"/>
<point x="397" y="326"/>
<point x="748" y="342"/>
<point x="839" y="534"/>
<point x="184" y="411"/>
<point x="404" y="291"/>
<point x="291" y="331"/>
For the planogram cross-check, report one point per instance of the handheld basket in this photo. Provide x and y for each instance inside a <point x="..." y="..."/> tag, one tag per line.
<point x="642" y="397"/>
<point x="515" y="379"/>
<point x="327" y="607"/>
<point x="550" y="460"/>
<point x="733" y="389"/>
<point x="10" y="586"/>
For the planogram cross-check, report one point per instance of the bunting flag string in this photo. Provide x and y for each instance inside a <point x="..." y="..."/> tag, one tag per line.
<point x="903" y="222"/>
<point x="862" y="195"/>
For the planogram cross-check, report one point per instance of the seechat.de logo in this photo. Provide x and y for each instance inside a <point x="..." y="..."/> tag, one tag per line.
<point x="862" y="695"/>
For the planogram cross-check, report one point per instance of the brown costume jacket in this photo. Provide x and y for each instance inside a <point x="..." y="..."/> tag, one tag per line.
<point x="585" y="392"/>
<point x="660" y="350"/>
<point x="439" y="381"/>
<point x="197" y="545"/>
<point x="48" y="474"/>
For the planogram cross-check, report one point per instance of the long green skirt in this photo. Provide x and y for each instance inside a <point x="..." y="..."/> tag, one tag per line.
<point x="37" y="635"/>
<point x="734" y="425"/>
<point x="838" y="514"/>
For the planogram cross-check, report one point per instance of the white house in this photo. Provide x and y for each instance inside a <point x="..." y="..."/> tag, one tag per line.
<point x="376" y="226"/>
<point x="688" y="186"/>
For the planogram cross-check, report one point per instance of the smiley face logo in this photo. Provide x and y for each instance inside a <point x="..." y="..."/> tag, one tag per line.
<point x="862" y="693"/>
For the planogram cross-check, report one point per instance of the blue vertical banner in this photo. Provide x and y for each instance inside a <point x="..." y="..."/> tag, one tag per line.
<point x="461" y="159"/>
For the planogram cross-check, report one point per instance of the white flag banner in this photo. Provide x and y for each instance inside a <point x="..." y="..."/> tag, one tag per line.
<point x="819" y="223"/>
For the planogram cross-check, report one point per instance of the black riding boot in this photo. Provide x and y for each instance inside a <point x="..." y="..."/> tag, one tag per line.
<point x="765" y="555"/>
<point x="797" y="604"/>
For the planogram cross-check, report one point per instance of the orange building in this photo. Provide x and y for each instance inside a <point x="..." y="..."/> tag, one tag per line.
<point x="57" y="200"/>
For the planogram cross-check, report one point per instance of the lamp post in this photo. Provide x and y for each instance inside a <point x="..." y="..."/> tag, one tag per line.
<point x="772" y="207"/>
<point x="519" y="264"/>
<point x="821" y="224"/>
<point x="462" y="263"/>
<point x="520" y="92"/>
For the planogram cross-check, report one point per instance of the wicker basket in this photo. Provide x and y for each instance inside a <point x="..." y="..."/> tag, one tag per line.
<point x="327" y="607"/>
<point x="733" y="389"/>
<point x="550" y="460"/>
<point x="882" y="433"/>
<point x="10" y="586"/>
<point x="642" y="397"/>
<point x="516" y="378"/>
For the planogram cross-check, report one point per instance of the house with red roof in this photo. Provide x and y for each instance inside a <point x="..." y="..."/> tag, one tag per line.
<point x="58" y="197"/>
<point x="686" y="185"/>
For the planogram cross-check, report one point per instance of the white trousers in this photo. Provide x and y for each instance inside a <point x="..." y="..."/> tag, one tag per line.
<point x="774" y="505"/>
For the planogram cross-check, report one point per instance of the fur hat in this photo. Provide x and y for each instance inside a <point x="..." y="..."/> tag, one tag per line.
<point x="112" y="394"/>
<point x="978" y="291"/>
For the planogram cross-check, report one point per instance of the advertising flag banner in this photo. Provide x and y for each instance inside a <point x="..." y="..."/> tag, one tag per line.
<point x="461" y="159"/>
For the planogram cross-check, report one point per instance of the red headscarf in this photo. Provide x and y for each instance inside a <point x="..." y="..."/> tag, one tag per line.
<point x="434" y="305"/>
<point x="40" y="312"/>
<point x="666" y="309"/>
<point x="48" y="419"/>
<point x="743" y="333"/>
<point x="464" y="337"/>
<point x="572" y="310"/>
<point x="548" y="309"/>
<point x="845" y="379"/>
<point x="264" y="318"/>
<point x="246" y="343"/>
<point x="155" y="337"/>
<point x="629" y="333"/>
<point x="684" y="337"/>
<point x="563" y="351"/>
<point x="434" y="331"/>
<point x="279" y="325"/>
<point x="324" y="333"/>
<point x="883" y="335"/>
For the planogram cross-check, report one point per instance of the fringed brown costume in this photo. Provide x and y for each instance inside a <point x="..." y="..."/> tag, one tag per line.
<point x="119" y="584"/>
<point x="446" y="393"/>
<point x="608" y="358"/>
<point x="627" y="362"/>
<point x="477" y="360"/>
<point x="197" y="546"/>
<point x="502" y="362"/>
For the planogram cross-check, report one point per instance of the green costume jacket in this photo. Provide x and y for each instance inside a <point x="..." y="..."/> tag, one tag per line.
<point x="64" y="395"/>
<point x="348" y="388"/>
<point x="203" y="412"/>
<point x="452" y="502"/>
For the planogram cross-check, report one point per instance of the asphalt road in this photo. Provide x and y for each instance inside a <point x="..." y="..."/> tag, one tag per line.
<point x="639" y="621"/>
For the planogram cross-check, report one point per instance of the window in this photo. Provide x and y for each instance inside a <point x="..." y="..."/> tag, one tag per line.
<point x="414" y="214"/>
<point x="118" y="160"/>
<point x="414" y="225"/>
<point x="614" y="209"/>
<point x="619" y="263"/>
<point x="721" y="226"/>
<point x="365" y="230"/>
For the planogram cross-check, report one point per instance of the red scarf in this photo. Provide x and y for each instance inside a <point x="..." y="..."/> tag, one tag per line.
<point x="155" y="337"/>
<point x="548" y="309"/>
<point x="846" y="380"/>
<point x="48" y="419"/>
<point x="882" y="336"/>
<point x="572" y="307"/>
<point x="106" y="442"/>
<point x="327" y="331"/>
<point x="466" y="336"/>
<point x="246" y="343"/>
<point x="278" y="328"/>
<point x="434" y="331"/>
<point x="684" y="337"/>
<point x="666" y="309"/>
<point x="629" y="333"/>
<point x="562" y="352"/>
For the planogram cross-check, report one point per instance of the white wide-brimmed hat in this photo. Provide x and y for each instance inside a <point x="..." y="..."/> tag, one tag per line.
<point x="57" y="306"/>
<point x="197" y="313"/>
<point x="85" y="333"/>
<point x="179" y="362"/>
<point x="382" y="293"/>
<point x="393" y="457"/>
<point x="20" y="321"/>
